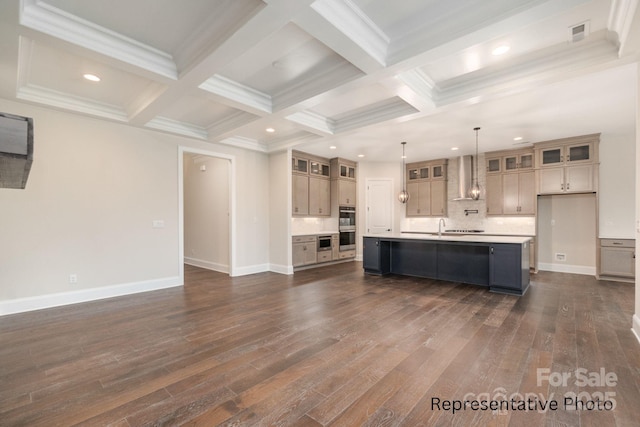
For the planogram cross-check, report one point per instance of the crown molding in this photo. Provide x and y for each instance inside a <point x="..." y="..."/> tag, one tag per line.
<point x="621" y="18"/>
<point x="246" y="143"/>
<point x="55" y="22"/>
<point x="230" y="122"/>
<point x="238" y="92"/>
<point x="314" y="121"/>
<point x="52" y="98"/>
<point x="177" y="127"/>
<point x="388" y="109"/>
<point x="348" y="18"/>
<point x="315" y="83"/>
<point x="558" y="63"/>
<point x="419" y="82"/>
<point x="291" y="141"/>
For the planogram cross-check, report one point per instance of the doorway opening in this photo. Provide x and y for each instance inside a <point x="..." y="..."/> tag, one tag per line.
<point x="206" y="210"/>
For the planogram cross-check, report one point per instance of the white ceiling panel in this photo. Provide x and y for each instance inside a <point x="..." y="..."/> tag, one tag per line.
<point x="419" y="71"/>
<point x="62" y="71"/>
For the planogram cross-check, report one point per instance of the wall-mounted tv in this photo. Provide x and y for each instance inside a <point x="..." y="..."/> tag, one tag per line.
<point x="16" y="150"/>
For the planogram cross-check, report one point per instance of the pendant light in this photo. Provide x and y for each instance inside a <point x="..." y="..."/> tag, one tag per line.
<point x="404" y="195"/>
<point x="475" y="188"/>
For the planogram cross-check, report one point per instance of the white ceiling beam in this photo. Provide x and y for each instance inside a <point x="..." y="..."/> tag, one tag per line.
<point x="624" y="17"/>
<point x="55" y="22"/>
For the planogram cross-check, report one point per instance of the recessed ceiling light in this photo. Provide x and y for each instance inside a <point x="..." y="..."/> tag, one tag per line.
<point x="500" y="50"/>
<point x="454" y="148"/>
<point x="360" y="155"/>
<point x="517" y="138"/>
<point x="270" y="130"/>
<point x="333" y="147"/>
<point x="91" y="77"/>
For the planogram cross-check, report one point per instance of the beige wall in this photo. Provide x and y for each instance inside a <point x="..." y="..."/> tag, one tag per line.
<point x="94" y="190"/>
<point x="206" y="212"/>
<point x="636" y="316"/>
<point x="280" y="212"/>
<point x="617" y="186"/>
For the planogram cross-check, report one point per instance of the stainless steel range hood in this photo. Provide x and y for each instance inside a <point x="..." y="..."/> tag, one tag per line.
<point x="465" y="177"/>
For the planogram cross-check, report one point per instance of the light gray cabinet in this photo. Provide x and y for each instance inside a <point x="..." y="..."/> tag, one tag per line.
<point x="568" y="165"/>
<point x="300" y="184"/>
<point x="305" y="250"/>
<point x="343" y="183"/>
<point x="617" y="259"/>
<point x="311" y="188"/>
<point x="427" y="188"/>
<point x="319" y="196"/>
<point x="510" y="183"/>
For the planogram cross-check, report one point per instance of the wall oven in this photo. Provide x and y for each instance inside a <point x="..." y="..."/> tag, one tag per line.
<point x="347" y="217"/>
<point x="347" y="228"/>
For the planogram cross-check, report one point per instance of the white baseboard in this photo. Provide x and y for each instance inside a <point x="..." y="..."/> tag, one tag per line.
<point x="636" y="327"/>
<point x="282" y="269"/>
<point x="251" y="269"/>
<point x="21" y="305"/>
<point x="566" y="268"/>
<point x="221" y="268"/>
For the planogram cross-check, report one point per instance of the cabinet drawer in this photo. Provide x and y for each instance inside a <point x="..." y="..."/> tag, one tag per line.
<point x="324" y="256"/>
<point x="618" y="243"/>
<point x="347" y="254"/>
<point x="304" y="239"/>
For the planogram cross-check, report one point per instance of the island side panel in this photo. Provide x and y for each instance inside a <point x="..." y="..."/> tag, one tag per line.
<point x="464" y="263"/>
<point x="509" y="268"/>
<point x="414" y="258"/>
<point x="375" y="255"/>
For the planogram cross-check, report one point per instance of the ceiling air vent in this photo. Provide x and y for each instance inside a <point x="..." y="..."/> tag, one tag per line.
<point x="578" y="32"/>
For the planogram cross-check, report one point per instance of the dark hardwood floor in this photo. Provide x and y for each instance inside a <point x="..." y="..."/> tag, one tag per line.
<point x="328" y="346"/>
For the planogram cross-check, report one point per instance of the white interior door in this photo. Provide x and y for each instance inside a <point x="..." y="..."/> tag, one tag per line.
<point x="379" y="206"/>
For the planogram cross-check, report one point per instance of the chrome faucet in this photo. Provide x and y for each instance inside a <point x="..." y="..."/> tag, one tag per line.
<point x="440" y="224"/>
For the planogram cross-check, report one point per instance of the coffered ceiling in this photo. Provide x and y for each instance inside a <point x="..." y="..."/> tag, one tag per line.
<point x="358" y="75"/>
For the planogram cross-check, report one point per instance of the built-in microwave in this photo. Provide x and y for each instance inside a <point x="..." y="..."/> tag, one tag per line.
<point x="324" y="243"/>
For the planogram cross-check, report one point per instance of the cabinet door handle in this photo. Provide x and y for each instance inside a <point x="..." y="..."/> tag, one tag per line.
<point x="568" y="184"/>
<point x="562" y="186"/>
<point x="491" y="250"/>
<point x="377" y="243"/>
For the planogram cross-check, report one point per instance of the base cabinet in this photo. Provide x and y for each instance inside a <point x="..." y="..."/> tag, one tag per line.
<point x="617" y="259"/>
<point x="509" y="268"/>
<point x="304" y="250"/>
<point x="375" y="258"/>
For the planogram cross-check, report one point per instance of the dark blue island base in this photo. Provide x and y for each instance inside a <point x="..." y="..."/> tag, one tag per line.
<point x="500" y="263"/>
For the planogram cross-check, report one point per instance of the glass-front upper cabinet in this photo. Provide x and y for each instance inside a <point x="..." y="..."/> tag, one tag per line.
<point x="318" y="168"/>
<point x="493" y="165"/>
<point x="347" y="171"/>
<point x="418" y="172"/>
<point x="518" y="161"/>
<point x="556" y="156"/>
<point x="438" y="172"/>
<point x="299" y="165"/>
<point x="579" y="153"/>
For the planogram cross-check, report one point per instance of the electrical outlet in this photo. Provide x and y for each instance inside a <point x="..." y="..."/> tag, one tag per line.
<point x="561" y="257"/>
<point x="73" y="278"/>
<point x="158" y="223"/>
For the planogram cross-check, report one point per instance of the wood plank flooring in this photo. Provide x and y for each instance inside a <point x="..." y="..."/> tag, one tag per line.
<point x="325" y="347"/>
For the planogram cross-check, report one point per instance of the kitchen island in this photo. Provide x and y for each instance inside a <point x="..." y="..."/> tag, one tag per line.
<point x="500" y="263"/>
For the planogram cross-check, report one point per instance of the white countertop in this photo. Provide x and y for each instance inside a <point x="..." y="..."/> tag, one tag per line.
<point x="477" y="238"/>
<point x="319" y="233"/>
